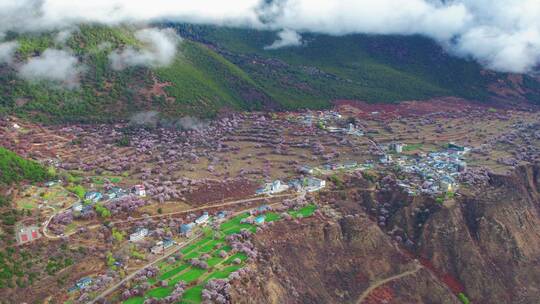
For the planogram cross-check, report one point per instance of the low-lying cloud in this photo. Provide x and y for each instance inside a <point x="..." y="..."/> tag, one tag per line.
<point x="7" y="51"/>
<point x="501" y="34"/>
<point x="159" y="47"/>
<point x="287" y="38"/>
<point x="57" y="66"/>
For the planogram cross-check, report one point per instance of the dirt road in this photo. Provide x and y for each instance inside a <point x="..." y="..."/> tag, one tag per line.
<point x="379" y="283"/>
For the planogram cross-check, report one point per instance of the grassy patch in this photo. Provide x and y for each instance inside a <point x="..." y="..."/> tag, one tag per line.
<point x="304" y="212"/>
<point x="191" y="275"/>
<point x="193" y="295"/>
<point x="173" y="272"/>
<point x="158" y="293"/>
<point x="412" y="147"/>
<point x="134" y="300"/>
<point x="272" y="216"/>
<point x="240" y="255"/>
<point x="233" y="222"/>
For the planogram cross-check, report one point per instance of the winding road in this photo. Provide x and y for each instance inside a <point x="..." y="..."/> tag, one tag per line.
<point x="46" y="224"/>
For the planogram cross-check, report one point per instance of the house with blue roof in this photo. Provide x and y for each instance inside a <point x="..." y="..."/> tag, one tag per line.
<point x="259" y="220"/>
<point x="186" y="229"/>
<point x="93" y="196"/>
<point x="83" y="283"/>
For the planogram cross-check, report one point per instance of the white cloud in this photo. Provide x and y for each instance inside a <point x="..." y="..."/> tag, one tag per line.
<point x="286" y="38"/>
<point x="159" y="49"/>
<point x="7" y="51"/>
<point x="63" y="36"/>
<point x="53" y="65"/>
<point x="502" y="34"/>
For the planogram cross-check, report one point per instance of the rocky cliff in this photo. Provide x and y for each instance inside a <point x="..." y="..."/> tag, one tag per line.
<point x="386" y="247"/>
<point x="349" y="260"/>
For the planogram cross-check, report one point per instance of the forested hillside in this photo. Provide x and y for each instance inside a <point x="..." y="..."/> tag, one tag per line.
<point x="14" y="168"/>
<point x="225" y="68"/>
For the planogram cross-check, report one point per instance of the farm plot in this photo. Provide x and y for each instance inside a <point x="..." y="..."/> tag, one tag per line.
<point x="56" y="197"/>
<point x="219" y="266"/>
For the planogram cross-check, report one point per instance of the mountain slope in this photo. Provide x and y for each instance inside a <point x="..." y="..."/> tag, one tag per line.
<point x="14" y="168"/>
<point x="226" y="68"/>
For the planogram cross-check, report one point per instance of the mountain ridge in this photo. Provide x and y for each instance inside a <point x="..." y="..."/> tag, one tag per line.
<point x="220" y="68"/>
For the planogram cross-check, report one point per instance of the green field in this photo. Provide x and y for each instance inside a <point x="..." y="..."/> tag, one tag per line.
<point x="219" y="268"/>
<point x="412" y="147"/>
<point x="134" y="300"/>
<point x="304" y="211"/>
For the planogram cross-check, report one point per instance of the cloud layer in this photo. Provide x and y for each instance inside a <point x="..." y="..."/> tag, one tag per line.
<point x="501" y="34"/>
<point x="53" y="65"/>
<point x="158" y="49"/>
<point x="7" y="51"/>
<point x="286" y="38"/>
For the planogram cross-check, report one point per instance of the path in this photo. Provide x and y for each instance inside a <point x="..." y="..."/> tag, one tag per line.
<point x="379" y="283"/>
<point x="46" y="225"/>
<point x="204" y="208"/>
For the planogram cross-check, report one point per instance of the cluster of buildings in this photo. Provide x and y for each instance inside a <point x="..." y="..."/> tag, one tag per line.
<point x="326" y="168"/>
<point x="310" y="183"/>
<point x="274" y="187"/>
<point x="81" y="284"/>
<point x="187" y="229"/>
<point x="431" y="173"/>
<point x="160" y="246"/>
<point x="306" y="184"/>
<point x="138" y="235"/>
<point x="350" y="130"/>
<point x="93" y="197"/>
<point x="324" y="120"/>
<point x="311" y="118"/>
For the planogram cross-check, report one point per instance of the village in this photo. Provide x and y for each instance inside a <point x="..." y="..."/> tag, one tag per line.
<point x="173" y="207"/>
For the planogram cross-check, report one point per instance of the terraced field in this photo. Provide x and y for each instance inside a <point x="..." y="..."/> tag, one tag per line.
<point x="218" y="268"/>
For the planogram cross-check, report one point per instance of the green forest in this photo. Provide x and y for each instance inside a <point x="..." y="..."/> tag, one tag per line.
<point x="14" y="169"/>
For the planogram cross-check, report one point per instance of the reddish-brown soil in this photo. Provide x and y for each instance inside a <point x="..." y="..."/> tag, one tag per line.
<point x="214" y="192"/>
<point x="157" y="89"/>
<point x="380" y="295"/>
<point x="413" y="108"/>
<point x="446" y="278"/>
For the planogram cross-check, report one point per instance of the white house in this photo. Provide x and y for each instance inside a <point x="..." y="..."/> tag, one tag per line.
<point x="396" y="147"/>
<point x="203" y="219"/>
<point x="306" y="170"/>
<point x="272" y="188"/>
<point x="386" y="159"/>
<point x="77" y="207"/>
<point x="314" y="184"/>
<point x="278" y="187"/>
<point x="161" y="246"/>
<point x="138" y="235"/>
<point x="139" y="190"/>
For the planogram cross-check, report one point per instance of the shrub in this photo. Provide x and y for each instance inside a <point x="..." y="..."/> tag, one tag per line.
<point x="463" y="298"/>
